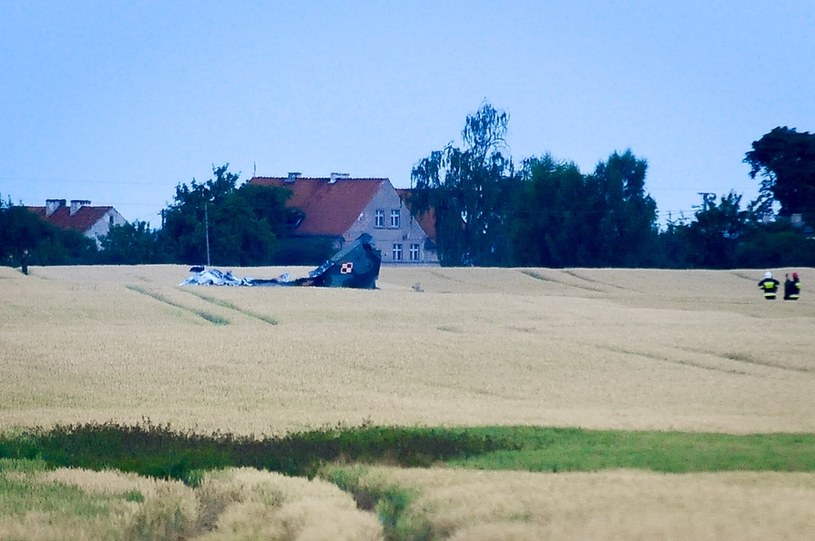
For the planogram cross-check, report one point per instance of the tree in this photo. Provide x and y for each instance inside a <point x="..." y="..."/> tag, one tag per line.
<point x="469" y="191"/>
<point x="130" y="244"/>
<point x="550" y="222"/>
<point x="220" y="222"/>
<point x="565" y="218"/>
<point x="627" y="214"/>
<point x="775" y="244"/>
<point x="713" y="239"/>
<point x="785" y="159"/>
<point x="21" y="229"/>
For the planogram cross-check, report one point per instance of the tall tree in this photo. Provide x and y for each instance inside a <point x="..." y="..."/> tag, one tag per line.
<point x="565" y="218"/>
<point x="785" y="159"/>
<point x="234" y="226"/>
<point x="551" y="224"/>
<point x="627" y="214"/>
<point x="469" y="191"/>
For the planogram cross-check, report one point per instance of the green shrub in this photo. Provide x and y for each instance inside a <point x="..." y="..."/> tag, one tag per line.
<point x="163" y="452"/>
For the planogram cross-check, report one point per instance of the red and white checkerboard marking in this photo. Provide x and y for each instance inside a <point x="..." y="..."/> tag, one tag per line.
<point x="347" y="268"/>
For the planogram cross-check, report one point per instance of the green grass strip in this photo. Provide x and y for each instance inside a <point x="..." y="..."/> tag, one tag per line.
<point x="539" y="449"/>
<point x="160" y="451"/>
<point x="19" y="495"/>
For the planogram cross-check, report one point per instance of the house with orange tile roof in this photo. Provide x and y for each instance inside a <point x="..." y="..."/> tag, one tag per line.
<point x="92" y="221"/>
<point x="341" y="208"/>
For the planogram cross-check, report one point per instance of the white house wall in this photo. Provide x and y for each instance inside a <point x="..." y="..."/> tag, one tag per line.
<point x="102" y="226"/>
<point x="408" y="233"/>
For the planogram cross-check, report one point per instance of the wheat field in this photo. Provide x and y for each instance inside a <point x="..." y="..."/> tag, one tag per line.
<point x="599" y="348"/>
<point x="229" y="505"/>
<point x="462" y="505"/>
<point x="593" y="348"/>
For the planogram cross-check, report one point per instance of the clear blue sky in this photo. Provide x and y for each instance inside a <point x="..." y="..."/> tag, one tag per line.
<point x="118" y="102"/>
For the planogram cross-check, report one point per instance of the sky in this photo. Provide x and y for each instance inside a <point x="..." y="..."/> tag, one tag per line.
<point x="118" y="102"/>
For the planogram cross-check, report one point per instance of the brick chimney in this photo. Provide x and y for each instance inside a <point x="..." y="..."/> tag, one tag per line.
<point x="77" y="204"/>
<point x="51" y="206"/>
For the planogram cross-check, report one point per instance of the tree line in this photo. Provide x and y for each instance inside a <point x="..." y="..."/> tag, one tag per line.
<point x="544" y="212"/>
<point x="548" y="213"/>
<point x="217" y="222"/>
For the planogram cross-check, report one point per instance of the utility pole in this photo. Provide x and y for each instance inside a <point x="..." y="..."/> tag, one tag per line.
<point x="707" y="199"/>
<point x="206" y="231"/>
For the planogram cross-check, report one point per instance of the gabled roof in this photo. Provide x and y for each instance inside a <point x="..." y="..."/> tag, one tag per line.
<point x="427" y="221"/>
<point x="82" y="220"/>
<point x="330" y="207"/>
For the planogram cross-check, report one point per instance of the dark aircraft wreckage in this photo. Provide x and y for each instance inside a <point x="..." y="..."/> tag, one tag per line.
<point x="355" y="266"/>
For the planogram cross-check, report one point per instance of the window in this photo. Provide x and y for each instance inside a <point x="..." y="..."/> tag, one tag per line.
<point x="414" y="252"/>
<point x="395" y="218"/>
<point x="379" y="218"/>
<point x="397" y="252"/>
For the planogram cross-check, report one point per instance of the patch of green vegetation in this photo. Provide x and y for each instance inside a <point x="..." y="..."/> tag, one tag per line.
<point x="160" y="451"/>
<point x="20" y="493"/>
<point x="9" y="465"/>
<point x="339" y="455"/>
<point x="390" y="502"/>
<point x="572" y="449"/>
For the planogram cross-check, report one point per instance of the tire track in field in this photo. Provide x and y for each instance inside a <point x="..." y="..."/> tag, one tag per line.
<point x="745" y="276"/>
<point x="682" y="362"/>
<point x="230" y="306"/>
<point x="210" y="318"/>
<point x="598" y="282"/>
<point x="542" y="278"/>
<point x="746" y="359"/>
<point x="465" y="282"/>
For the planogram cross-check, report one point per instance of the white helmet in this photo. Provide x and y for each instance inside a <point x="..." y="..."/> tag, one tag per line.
<point x="768" y="274"/>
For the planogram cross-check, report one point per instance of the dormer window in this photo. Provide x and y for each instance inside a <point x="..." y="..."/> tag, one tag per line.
<point x="294" y="217"/>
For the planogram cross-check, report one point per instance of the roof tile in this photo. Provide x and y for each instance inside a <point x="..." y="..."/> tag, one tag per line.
<point x="84" y="218"/>
<point x="330" y="208"/>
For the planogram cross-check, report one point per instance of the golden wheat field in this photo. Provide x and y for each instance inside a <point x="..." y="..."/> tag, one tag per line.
<point x="462" y="505"/>
<point x="600" y="348"/>
<point x="229" y="505"/>
<point x="594" y="348"/>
